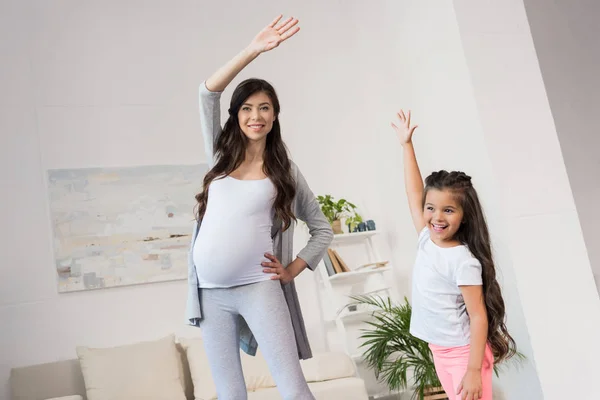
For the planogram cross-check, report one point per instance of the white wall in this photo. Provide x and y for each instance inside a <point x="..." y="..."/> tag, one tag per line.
<point x="81" y="86"/>
<point x="114" y="84"/>
<point x="564" y="34"/>
<point x="543" y="232"/>
<point x="426" y="70"/>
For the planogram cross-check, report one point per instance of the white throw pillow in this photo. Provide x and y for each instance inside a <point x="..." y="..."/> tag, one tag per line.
<point x="322" y="367"/>
<point x="256" y="370"/>
<point x="146" y="370"/>
<point x="327" y="366"/>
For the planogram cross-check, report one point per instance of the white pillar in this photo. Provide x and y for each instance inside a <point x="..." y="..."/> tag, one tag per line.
<point x="550" y="260"/>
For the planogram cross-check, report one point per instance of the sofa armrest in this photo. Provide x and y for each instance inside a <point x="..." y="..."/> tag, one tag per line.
<point x="328" y="366"/>
<point x="46" y="381"/>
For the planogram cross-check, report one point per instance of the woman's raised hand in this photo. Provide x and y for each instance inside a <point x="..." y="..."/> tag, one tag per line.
<point x="274" y="34"/>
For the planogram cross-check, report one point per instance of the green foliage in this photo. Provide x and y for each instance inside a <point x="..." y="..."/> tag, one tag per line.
<point x="391" y="351"/>
<point x="353" y="221"/>
<point x="335" y="210"/>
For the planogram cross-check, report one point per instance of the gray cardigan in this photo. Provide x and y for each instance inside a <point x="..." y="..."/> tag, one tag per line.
<point x="305" y="207"/>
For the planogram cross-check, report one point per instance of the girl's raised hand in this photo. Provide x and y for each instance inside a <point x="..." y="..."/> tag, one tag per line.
<point x="403" y="128"/>
<point x="274" y="34"/>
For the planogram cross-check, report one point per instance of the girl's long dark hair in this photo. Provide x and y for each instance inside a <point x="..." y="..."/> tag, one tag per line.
<point x="474" y="233"/>
<point x="230" y="150"/>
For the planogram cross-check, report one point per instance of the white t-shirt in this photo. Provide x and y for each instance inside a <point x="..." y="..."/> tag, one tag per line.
<point x="439" y="313"/>
<point x="238" y="212"/>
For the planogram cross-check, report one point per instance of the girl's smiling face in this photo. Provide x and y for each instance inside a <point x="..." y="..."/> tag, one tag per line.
<point x="443" y="215"/>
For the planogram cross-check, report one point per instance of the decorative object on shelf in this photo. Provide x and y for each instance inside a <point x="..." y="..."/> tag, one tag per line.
<point x="328" y="264"/>
<point x="335" y="211"/>
<point x="370" y="225"/>
<point x="377" y="264"/>
<point x="343" y="265"/>
<point x="362" y="226"/>
<point x="334" y="263"/>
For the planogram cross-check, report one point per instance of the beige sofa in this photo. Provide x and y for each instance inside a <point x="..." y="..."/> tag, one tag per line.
<point x="169" y="369"/>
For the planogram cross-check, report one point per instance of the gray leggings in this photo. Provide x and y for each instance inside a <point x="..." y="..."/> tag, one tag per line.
<point x="263" y="307"/>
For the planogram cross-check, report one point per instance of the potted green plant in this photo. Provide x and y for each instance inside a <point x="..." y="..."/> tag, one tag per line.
<point x="391" y="351"/>
<point x="353" y="221"/>
<point x="336" y="210"/>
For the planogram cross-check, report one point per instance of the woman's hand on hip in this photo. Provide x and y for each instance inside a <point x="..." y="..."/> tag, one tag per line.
<point x="470" y="387"/>
<point x="274" y="34"/>
<point x="275" y="267"/>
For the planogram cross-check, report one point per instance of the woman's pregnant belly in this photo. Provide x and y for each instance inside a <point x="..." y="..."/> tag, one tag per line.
<point x="226" y="257"/>
<point x="235" y="233"/>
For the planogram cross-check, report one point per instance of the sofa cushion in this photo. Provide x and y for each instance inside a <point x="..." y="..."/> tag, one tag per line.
<point x="74" y="397"/>
<point x="145" y="370"/>
<point x="343" y="388"/>
<point x="256" y="370"/>
<point x="322" y="367"/>
<point x="328" y="366"/>
<point x="202" y="380"/>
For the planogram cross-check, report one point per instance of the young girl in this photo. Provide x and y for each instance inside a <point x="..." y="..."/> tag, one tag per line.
<point x="241" y="269"/>
<point x="457" y="304"/>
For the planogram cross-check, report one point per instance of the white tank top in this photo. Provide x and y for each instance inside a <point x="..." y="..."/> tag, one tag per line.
<point x="238" y="212"/>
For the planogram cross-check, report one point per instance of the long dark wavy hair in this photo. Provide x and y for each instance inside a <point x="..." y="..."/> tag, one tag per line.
<point x="474" y="233"/>
<point x="230" y="151"/>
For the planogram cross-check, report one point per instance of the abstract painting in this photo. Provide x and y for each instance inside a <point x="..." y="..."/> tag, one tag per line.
<point x="122" y="226"/>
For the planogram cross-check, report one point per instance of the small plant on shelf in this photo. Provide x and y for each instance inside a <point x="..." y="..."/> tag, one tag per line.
<point x="335" y="211"/>
<point x="352" y="222"/>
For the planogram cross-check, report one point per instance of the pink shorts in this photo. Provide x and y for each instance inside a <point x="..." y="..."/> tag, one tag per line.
<point x="451" y="366"/>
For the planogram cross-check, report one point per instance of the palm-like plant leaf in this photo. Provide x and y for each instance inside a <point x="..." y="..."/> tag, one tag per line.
<point x="391" y="351"/>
